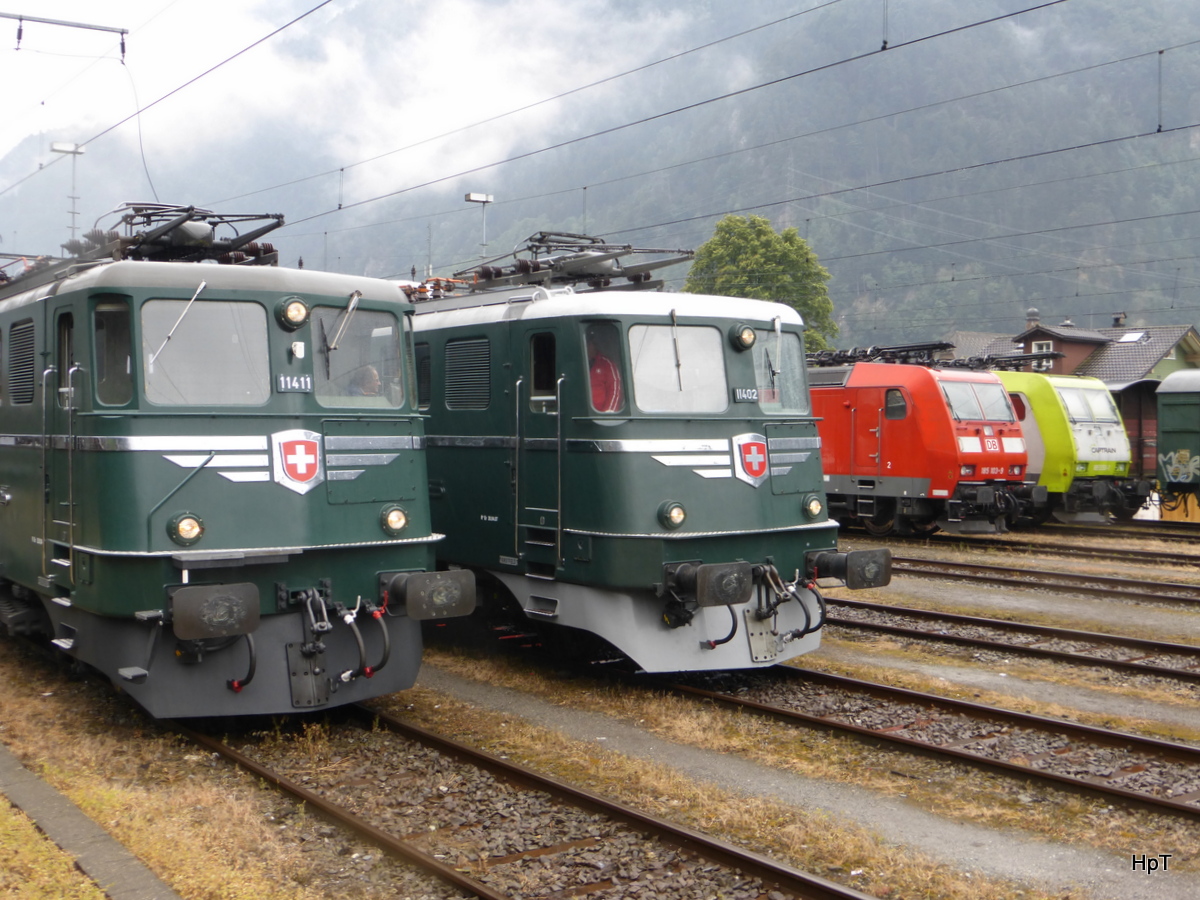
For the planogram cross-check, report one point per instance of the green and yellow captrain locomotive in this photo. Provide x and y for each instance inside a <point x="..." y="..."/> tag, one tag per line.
<point x="212" y="477"/>
<point x="1078" y="449"/>
<point x="636" y="466"/>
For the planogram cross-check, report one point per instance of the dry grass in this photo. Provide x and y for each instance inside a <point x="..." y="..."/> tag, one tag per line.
<point x="815" y="842"/>
<point x="955" y="791"/>
<point x="34" y="868"/>
<point x="201" y="826"/>
<point x="209" y="831"/>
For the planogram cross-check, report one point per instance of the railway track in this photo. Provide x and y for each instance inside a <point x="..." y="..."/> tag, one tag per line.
<point x="494" y="829"/>
<point x="1169" y="660"/>
<point x="1007" y="545"/>
<point x="1157" y="775"/>
<point x="1089" y="584"/>
<point x="1160" y="529"/>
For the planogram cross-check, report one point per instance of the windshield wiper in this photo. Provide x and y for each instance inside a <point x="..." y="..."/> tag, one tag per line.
<point x="170" y="334"/>
<point x="778" y="349"/>
<point x="341" y="323"/>
<point x="324" y="346"/>
<point x="675" y="341"/>
<point x="348" y="312"/>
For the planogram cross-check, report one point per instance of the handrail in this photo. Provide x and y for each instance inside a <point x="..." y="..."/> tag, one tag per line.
<point x="516" y="474"/>
<point x="46" y="440"/>
<point x="558" y="462"/>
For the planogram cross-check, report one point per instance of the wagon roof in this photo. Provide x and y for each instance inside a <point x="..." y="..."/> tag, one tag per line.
<point x="1184" y="381"/>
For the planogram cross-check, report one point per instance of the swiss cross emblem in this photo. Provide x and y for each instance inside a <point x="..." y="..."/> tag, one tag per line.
<point x="751" y="458"/>
<point x="296" y="460"/>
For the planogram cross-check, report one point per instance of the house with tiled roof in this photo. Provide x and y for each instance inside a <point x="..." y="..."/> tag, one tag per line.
<point x="1131" y="360"/>
<point x="969" y="344"/>
<point x="1119" y="356"/>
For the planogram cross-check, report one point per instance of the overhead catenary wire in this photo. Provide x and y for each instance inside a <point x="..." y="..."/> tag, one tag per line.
<point x="738" y="151"/>
<point x="680" y="109"/>
<point x="176" y="90"/>
<point x="865" y="189"/>
<point x="534" y="105"/>
<point x="711" y="215"/>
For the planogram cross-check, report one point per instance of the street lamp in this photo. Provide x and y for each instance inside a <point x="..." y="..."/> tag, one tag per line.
<point x="483" y="200"/>
<point x="74" y="151"/>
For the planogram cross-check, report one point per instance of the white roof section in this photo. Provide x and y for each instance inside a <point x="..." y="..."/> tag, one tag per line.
<point x="185" y="277"/>
<point x="1181" y="381"/>
<point x="475" y="309"/>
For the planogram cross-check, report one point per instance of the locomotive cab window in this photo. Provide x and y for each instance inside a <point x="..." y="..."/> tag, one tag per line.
<point x="975" y="401"/>
<point x="678" y="368"/>
<point x="543" y="386"/>
<point x="894" y="404"/>
<point x="65" y="361"/>
<point x="205" y="353"/>
<point x="114" y="378"/>
<point x="1089" y="405"/>
<point x="1102" y="406"/>
<point x="424" y="375"/>
<point x="779" y="373"/>
<point x="357" y="362"/>
<point x="1020" y="406"/>
<point x="606" y="385"/>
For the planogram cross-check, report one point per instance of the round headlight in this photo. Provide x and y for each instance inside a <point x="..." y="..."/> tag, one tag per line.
<point x="813" y="507"/>
<point x="742" y="337"/>
<point x="292" y="312"/>
<point x="185" y="529"/>
<point x="671" y="514"/>
<point x="394" y="520"/>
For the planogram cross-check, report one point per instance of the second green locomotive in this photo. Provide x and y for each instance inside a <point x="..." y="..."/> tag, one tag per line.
<point x="634" y="466"/>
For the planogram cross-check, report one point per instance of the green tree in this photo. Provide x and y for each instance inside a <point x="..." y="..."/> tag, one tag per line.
<point x="746" y="258"/>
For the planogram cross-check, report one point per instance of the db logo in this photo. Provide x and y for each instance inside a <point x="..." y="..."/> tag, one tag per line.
<point x="991" y="444"/>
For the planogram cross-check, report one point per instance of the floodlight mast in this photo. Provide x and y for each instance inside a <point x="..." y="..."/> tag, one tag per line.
<point x="483" y="200"/>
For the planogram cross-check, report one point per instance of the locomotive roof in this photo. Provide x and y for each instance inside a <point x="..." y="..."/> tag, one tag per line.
<point x="186" y="276"/>
<point x="1083" y="381"/>
<point x="867" y="374"/>
<point x="472" y="309"/>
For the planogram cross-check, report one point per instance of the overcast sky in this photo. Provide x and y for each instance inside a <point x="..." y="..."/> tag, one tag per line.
<point x="360" y="83"/>
<point x="336" y="114"/>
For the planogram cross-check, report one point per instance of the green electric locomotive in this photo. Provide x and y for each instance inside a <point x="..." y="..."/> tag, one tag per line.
<point x="633" y="466"/>
<point x="212" y="474"/>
